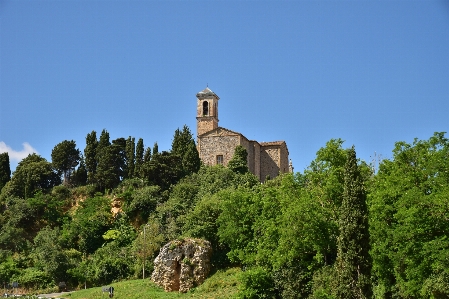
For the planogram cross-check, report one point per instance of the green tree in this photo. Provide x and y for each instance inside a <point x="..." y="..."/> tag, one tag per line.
<point x="184" y="146"/>
<point x="90" y="153"/>
<point x="119" y="145"/>
<point x="353" y="265"/>
<point x="408" y="221"/>
<point x="79" y="176"/>
<point x="239" y="162"/>
<point x="140" y="150"/>
<point x="48" y="254"/>
<point x="155" y="149"/>
<point x="163" y="170"/>
<point x="130" y="156"/>
<point x="147" y="157"/>
<point x="65" y="157"/>
<point x="143" y="202"/>
<point x="5" y="170"/>
<point x="108" y="169"/>
<point x="32" y="174"/>
<point x="89" y="223"/>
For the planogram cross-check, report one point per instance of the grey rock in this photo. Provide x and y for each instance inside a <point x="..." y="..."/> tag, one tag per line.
<point x="182" y="264"/>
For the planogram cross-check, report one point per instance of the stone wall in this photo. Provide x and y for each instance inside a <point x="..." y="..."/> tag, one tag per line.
<point x="284" y="159"/>
<point x="213" y="145"/>
<point x="250" y="150"/>
<point x="206" y="124"/>
<point x="269" y="161"/>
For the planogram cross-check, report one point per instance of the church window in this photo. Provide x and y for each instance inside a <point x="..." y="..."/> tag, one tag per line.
<point x="205" y="108"/>
<point x="219" y="159"/>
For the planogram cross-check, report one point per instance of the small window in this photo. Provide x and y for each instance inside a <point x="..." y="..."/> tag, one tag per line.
<point x="219" y="159"/>
<point x="205" y="108"/>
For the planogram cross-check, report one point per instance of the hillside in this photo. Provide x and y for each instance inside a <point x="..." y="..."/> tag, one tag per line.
<point x="382" y="227"/>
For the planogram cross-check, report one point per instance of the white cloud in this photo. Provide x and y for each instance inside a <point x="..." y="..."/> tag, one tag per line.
<point x="17" y="156"/>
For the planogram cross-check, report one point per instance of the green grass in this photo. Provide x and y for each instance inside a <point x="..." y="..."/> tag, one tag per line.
<point x="222" y="284"/>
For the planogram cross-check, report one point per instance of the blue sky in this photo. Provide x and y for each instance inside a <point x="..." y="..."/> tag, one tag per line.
<point x="369" y="72"/>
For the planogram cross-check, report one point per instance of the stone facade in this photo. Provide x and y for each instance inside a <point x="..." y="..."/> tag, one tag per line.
<point x="216" y="144"/>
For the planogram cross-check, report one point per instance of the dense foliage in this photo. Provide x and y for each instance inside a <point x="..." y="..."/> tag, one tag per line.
<point x="337" y="230"/>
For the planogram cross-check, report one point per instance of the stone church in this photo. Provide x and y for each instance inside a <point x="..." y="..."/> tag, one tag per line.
<point x="216" y="144"/>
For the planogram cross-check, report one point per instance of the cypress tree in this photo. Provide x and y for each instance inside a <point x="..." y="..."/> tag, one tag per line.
<point x="184" y="146"/>
<point x="353" y="265"/>
<point x="155" y="149"/>
<point x="239" y="163"/>
<point x="130" y="156"/>
<point x="139" y="158"/>
<point x="5" y="169"/>
<point x="103" y="142"/>
<point x="90" y="153"/>
<point x="80" y="175"/>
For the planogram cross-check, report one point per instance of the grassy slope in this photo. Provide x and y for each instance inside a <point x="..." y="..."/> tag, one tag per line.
<point x="222" y="284"/>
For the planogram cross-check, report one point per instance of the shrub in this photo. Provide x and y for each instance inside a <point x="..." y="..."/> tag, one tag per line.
<point x="256" y="283"/>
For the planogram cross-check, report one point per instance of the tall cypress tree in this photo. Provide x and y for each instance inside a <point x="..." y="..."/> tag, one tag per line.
<point x="5" y="170"/>
<point x="155" y="149"/>
<point x="90" y="153"/>
<point x="147" y="157"/>
<point x="184" y="146"/>
<point x="130" y="156"/>
<point x="353" y="265"/>
<point x="139" y="158"/>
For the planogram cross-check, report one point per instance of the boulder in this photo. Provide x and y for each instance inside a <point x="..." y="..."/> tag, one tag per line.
<point x="182" y="264"/>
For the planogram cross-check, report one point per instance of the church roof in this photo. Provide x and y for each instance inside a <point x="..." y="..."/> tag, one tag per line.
<point x="220" y="129"/>
<point x="206" y="92"/>
<point x="272" y="143"/>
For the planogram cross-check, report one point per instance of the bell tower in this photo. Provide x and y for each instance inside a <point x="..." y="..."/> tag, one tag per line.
<point x="206" y="111"/>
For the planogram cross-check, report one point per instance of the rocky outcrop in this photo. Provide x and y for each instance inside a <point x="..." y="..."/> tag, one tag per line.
<point x="182" y="264"/>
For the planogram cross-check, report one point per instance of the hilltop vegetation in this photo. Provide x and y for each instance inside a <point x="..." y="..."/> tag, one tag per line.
<point x="337" y="230"/>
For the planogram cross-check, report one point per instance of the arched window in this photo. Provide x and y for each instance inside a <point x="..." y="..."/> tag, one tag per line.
<point x="205" y="108"/>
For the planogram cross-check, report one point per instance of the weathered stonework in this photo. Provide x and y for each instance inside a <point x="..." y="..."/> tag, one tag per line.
<point x="182" y="264"/>
<point x="264" y="159"/>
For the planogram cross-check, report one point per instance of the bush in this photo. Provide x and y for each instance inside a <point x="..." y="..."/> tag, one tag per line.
<point x="256" y="283"/>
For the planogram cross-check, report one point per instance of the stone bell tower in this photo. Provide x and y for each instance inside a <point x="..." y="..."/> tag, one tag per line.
<point x="206" y="111"/>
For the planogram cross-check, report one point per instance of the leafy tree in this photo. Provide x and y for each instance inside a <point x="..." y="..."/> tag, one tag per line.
<point x="139" y="158"/>
<point x="91" y="221"/>
<point x="65" y="157"/>
<point x="408" y="221"/>
<point x="32" y="174"/>
<point x="256" y="283"/>
<point x="5" y="170"/>
<point x="353" y="265"/>
<point x="143" y="202"/>
<point x="239" y="162"/>
<point x="48" y="254"/>
<point x="111" y="263"/>
<point x="90" y="153"/>
<point x="146" y="244"/>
